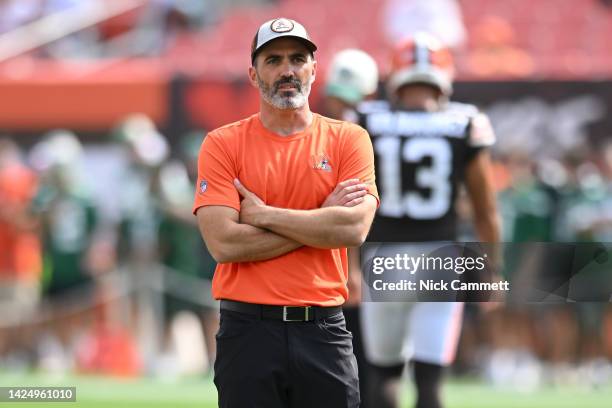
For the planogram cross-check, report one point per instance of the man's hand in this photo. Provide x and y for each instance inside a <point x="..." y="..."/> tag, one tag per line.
<point x="252" y="208"/>
<point x="229" y="241"/>
<point x="348" y="193"/>
<point x="329" y="227"/>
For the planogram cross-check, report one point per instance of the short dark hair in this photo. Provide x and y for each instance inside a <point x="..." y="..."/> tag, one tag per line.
<point x="255" y="53"/>
<point x="310" y="53"/>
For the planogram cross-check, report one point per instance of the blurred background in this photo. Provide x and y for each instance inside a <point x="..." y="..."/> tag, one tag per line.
<point x="103" y="106"/>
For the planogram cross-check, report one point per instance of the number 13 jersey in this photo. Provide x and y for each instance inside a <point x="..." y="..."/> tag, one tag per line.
<point x="420" y="160"/>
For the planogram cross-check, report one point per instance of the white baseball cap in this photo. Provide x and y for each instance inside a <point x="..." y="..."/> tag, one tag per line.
<point x="277" y="28"/>
<point x="352" y="75"/>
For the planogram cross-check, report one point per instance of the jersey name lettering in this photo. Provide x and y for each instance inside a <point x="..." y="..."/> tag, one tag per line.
<point x="417" y="124"/>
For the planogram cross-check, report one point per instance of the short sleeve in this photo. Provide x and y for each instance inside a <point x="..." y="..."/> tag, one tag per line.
<point x="358" y="159"/>
<point x="480" y="135"/>
<point x="216" y="174"/>
<point x="481" y="131"/>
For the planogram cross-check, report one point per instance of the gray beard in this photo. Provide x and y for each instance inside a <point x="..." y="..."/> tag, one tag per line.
<point x="275" y="98"/>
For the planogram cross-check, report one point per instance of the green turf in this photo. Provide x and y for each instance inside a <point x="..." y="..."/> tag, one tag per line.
<point x="462" y="394"/>
<point x="95" y="392"/>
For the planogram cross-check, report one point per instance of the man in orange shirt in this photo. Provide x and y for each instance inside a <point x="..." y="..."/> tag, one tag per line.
<point x="20" y="256"/>
<point x="308" y="192"/>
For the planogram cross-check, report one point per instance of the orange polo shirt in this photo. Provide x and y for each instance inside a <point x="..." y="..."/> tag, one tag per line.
<point x="297" y="172"/>
<point x="20" y="251"/>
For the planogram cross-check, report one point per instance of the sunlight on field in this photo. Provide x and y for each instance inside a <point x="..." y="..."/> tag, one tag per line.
<point x="94" y="392"/>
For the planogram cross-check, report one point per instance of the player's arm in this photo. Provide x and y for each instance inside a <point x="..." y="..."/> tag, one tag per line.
<point x="481" y="192"/>
<point x="479" y="180"/>
<point x="328" y="227"/>
<point x="229" y="241"/>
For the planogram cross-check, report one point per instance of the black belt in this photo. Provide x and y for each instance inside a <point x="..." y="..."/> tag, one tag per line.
<point x="284" y="313"/>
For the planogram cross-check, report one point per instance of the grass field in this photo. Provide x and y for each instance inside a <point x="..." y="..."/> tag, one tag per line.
<point x="93" y="392"/>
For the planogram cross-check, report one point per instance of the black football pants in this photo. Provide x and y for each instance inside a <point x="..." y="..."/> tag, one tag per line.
<point x="274" y="364"/>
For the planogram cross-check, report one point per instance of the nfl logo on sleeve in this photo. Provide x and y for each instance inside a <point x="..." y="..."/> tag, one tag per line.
<point x="203" y="186"/>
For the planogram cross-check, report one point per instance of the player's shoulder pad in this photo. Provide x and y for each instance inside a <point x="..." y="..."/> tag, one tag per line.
<point x="480" y="131"/>
<point x="351" y="115"/>
<point x="462" y="109"/>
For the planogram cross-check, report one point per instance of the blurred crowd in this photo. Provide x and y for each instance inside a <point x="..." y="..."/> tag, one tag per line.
<point x="493" y="40"/>
<point x="111" y="29"/>
<point x="117" y="29"/>
<point x="74" y="259"/>
<point x="565" y="200"/>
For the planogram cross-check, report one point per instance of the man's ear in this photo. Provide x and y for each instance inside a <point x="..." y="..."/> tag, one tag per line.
<point x="253" y="76"/>
<point x="314" y="70"/>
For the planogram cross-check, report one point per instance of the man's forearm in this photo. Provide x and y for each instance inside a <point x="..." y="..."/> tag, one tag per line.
<point x="330" y="227"/>
<point x="245" y="243"/>
<point x="230" y="241"/>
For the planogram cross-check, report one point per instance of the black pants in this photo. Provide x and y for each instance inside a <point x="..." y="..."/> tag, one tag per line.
<point x="353" y="324"/>
<point x="274" y="364"/>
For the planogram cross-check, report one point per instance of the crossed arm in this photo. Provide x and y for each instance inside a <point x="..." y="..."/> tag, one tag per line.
<point x="259" y="232"/>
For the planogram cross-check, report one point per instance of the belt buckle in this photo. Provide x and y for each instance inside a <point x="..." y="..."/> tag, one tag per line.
<point x="304" y="319"/>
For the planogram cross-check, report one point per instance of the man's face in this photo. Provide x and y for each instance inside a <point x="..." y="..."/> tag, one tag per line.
<point x="418" y="96"/>
<point x="284" y="71"/>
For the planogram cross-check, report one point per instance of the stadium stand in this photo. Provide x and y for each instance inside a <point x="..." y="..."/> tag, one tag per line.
<point x="565" y="39"/>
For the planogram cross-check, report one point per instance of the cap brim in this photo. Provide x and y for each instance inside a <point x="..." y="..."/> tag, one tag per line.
<point x="345" y="93"/>
<point x="309" y="44"/>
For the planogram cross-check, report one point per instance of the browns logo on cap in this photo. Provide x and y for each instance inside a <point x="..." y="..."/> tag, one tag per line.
<point x="277" y="28"/>
<point x="281" y="25"/>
